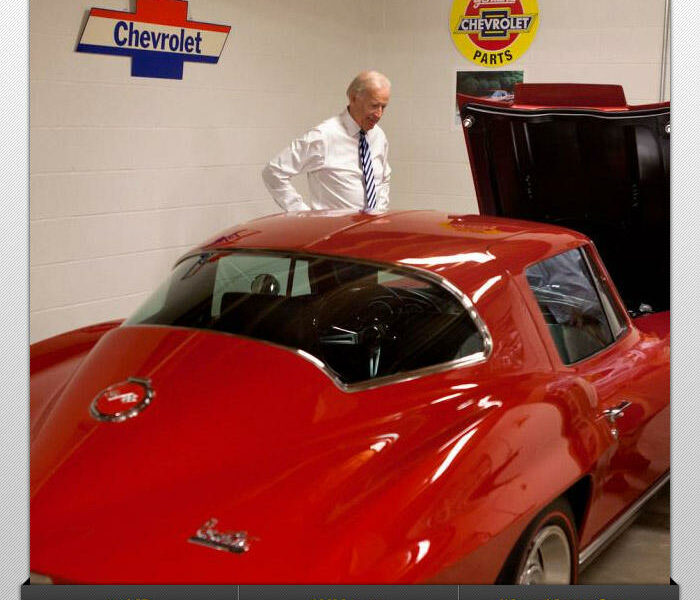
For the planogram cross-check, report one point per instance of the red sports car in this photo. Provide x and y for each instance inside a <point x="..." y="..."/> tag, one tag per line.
<point x="380" y="398"/>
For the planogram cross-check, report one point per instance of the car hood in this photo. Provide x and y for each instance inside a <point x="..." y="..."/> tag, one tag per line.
<point x="249" y="434"/>
<point x="579" y="156"/>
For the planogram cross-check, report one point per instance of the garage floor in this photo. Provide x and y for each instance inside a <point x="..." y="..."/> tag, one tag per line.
<point x="642" y="554"/>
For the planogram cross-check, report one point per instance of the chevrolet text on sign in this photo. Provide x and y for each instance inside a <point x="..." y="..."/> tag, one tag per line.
<point x="158" y="37"/>
<point x="493" y="33"/>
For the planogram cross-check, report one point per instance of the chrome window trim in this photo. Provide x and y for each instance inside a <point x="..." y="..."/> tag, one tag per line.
<point x="419" y="273"/>
<point x="598" y="283"/>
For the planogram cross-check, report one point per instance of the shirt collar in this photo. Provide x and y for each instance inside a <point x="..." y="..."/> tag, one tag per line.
<point x="350" y="125"/>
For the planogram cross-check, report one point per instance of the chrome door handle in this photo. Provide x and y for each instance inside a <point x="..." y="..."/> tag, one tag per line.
<point x="614" y="413"/>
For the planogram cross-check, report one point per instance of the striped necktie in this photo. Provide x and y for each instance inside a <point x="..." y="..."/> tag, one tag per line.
<point x="367" y="172"/>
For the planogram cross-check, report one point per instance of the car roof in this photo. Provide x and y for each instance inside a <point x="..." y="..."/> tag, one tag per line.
<point x="427" y="239"/>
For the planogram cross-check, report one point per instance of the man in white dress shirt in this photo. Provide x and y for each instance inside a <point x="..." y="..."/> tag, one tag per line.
<point x="330" y="154"/>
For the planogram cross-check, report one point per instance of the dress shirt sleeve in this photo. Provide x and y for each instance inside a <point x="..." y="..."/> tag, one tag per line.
<point x="383" y="188"/>
<point x="306" y="153"/>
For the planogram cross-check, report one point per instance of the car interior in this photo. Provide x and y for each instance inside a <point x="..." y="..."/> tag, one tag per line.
<point x="363" y="321"/>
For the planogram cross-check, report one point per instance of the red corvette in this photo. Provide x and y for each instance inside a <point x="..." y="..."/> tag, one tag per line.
<point x="379" y="398"/>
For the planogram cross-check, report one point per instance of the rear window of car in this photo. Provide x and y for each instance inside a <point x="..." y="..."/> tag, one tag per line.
<point x="363" y="321"/>
<point x="579" y="311"/>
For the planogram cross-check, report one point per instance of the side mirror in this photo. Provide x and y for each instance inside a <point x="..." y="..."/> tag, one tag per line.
<point x="644" y="309"/>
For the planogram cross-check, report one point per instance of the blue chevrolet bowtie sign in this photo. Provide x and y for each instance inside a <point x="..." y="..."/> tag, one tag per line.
<point x="157" y="36"/>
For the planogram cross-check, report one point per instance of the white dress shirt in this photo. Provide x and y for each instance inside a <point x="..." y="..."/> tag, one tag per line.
<point x="329" y="154"/>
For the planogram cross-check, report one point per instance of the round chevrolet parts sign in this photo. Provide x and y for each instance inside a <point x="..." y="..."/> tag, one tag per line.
<point x="493" y="33"/>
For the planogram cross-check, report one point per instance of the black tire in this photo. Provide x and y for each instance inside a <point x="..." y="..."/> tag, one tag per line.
<point x="544" y="542"/>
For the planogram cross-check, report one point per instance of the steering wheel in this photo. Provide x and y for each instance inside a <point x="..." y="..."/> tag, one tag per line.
<point x="359" y="316"/>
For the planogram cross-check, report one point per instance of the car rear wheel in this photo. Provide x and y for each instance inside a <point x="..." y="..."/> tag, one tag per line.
<point x="547" y="552"/>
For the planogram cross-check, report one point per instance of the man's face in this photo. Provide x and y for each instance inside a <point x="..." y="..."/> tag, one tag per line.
<point x="368" y="107"/>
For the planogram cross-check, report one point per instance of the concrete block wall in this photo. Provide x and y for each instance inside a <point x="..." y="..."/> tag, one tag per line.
<point x="128" y="173"/>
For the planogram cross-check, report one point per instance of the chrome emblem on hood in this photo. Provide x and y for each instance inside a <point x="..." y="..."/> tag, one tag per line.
<point x="122" y="401"/>
<point x="233" y="541"/>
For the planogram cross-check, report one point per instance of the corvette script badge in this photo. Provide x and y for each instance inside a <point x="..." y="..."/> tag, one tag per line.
<point x="122" y="401"/>
<point x="232" y="541"/>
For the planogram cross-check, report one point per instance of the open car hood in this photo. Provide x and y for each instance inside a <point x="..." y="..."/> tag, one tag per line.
<point x="579" y="156"/>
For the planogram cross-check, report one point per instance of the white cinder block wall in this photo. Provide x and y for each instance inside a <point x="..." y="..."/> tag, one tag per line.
<point x="127" y="173"/>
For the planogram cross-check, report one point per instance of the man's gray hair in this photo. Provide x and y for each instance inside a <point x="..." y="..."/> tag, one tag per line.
<point x="366" y="80"/>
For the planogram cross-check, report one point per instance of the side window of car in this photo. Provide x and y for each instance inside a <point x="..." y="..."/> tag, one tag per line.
<point x="568" y="298"/>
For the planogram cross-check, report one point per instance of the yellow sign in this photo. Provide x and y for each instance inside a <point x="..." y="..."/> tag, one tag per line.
<point x="493" y="33"/>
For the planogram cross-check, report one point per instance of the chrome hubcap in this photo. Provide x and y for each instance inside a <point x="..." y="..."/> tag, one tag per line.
<point x="548" y="558"/>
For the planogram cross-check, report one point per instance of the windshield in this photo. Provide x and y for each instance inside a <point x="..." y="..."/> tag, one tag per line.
<point x="361" y="320"/>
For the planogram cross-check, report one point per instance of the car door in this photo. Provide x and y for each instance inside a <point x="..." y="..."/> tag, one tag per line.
<point x="623" y="371"/>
